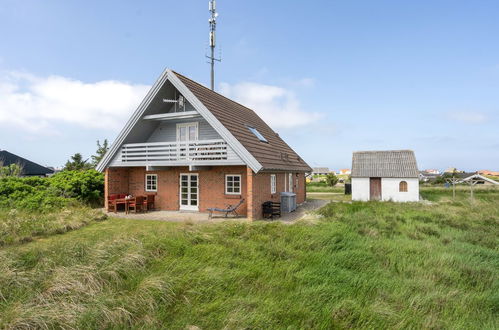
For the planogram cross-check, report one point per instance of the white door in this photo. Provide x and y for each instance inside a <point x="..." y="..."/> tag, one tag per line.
<point x="189" y="191"/>
<point x="186" y="134"/>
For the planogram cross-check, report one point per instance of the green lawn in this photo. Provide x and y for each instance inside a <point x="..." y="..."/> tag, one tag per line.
<point x="369" y="265"/>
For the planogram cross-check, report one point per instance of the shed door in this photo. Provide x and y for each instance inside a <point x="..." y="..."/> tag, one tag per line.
<point x="375" y="189"/>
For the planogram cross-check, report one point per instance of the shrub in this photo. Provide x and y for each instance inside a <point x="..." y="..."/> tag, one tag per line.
<point x="86" y="186"/>
<point x="47" y="194"/>
<point x="331" y="179"/>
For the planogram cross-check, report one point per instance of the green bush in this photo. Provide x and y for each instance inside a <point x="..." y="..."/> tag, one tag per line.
<point x="86" y="186"/>
<point x="47" y="194"/>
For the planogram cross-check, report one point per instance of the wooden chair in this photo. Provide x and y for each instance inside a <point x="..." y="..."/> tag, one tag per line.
<point x="231" y="209"/>
<point x="149" y="202"/>
<point x="136" y="203"/>
<point x="111" y="203"/>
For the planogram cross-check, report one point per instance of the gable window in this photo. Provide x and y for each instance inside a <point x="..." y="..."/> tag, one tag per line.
<point x="258" y="135"/>
<point x="403" y="186"/>
<point x="151" y="182"/>
<point x="273" y="183"/>
<point x="232" y="184"/>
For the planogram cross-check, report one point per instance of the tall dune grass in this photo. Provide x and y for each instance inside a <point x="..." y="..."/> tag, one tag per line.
<point x="17" y="226"/>
<point x="358" y="265"/>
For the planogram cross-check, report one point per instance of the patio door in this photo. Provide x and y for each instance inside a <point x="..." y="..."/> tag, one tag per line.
<point x="186" y="134"/>
<point x="189" y="191"/>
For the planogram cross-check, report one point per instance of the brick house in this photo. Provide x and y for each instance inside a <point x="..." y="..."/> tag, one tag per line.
<point x="194" y="149"/>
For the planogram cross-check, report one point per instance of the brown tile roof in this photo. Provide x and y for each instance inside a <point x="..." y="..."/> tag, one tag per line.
<point x="274" y="155"/>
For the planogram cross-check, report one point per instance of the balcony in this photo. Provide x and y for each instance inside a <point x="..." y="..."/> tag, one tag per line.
<point x="199" y="152"/>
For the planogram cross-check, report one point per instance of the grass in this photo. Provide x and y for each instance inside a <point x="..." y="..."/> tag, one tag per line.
<point x="22" y="226"/>
<point x="323" y="187"/>
<point x="369" y="265"/>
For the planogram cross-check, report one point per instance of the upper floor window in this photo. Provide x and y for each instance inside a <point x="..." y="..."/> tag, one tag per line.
<point x="151" y="182"/>
<point x="257" y="134"/>
<point x="233" y="184"/>
<point x="403" y="186"/>
<point x="273" y="184"/>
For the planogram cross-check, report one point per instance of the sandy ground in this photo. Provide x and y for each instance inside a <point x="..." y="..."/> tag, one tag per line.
<point x="182" y="216"/>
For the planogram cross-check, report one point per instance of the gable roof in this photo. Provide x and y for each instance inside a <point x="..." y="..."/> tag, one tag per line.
<point x="320" y="170"/>
<point x="384" y="164"/>
<point x="479" y="177"/>
<point x="230" y="119"/>
<point x="28" y="167"/>
<point x="274" y="155"/>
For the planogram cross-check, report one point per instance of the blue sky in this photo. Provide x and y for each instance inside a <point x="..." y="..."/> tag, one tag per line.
<point x="331" y="77"/>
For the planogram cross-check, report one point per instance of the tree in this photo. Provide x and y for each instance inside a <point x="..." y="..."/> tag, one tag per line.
<point x="77" y="163"/>
<point x="101" y="151"/>
<point x="10" y="170"/>
<point x="331" y="179"/>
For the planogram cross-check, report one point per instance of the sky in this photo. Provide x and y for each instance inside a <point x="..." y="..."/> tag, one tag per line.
<point x="332" y="77"/>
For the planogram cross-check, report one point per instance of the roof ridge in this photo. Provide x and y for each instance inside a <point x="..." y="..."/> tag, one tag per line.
<point x="373" y="151"/>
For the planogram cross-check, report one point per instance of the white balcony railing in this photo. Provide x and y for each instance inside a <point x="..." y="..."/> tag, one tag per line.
<point x="174" y="152"/>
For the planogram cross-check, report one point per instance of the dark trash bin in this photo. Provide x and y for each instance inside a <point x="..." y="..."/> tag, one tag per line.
<point x="348" y="188"/>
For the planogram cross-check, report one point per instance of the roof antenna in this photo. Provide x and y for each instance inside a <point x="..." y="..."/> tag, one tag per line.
<point x="213" y="26"/>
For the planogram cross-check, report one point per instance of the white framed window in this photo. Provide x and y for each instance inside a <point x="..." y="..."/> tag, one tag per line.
<point x="187" y="132"/>
<point x="273" y="184"/>
<point x="232" y="184"/>
<point x="290" y="182"/>
<point x="151" y="182"/>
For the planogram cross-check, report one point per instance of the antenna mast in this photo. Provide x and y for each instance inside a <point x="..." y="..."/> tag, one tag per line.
<point x="213" y="26"/>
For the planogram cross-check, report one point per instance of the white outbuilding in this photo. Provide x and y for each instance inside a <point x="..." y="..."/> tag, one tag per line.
<point x="390" y="175"/>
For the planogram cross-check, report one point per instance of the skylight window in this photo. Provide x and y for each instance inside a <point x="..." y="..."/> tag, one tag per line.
<point x="258" y="135"/>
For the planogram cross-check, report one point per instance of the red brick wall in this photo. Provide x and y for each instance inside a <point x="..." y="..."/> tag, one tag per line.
<point x="261" y="192"/>
<point x="211" y="186"/>
<point x="255" y="188"/>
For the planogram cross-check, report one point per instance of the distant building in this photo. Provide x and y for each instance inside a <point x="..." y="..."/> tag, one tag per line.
<point x="320" y="171"/>
<point x="479" y="179"/>
<point x="385" y="175"/>
<point x="28" y="168"/>
<point x="345" y="171"/>
<point x="426" y="177"/>
<point x="487" y="172"/>
<point x="453" y="170"/>
<point x="432" y="171"/>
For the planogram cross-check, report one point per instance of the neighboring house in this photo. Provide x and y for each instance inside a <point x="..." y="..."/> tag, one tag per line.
<point x="425" y="176"/>
<point x="345" y="171"/>
<point x="453" y="170"/>
<point x="196" y="149"/>
<point x="431" y="171"/>
<point x="479" y="179"/>
<point x="487" y="172"/>
<point x="385" y="175"/>
<point x="28" y="168"/>
<point x="320" y="171"/>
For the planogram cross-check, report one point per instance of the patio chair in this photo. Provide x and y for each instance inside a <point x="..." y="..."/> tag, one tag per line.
<point x="231" y="209"/>
<point x="111" y="203"/>
<point x="149" y="202"/>
<point x="136" y="203"/>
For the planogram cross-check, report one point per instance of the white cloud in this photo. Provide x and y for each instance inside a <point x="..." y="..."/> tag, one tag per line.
<point x="278" y="106"/>
<point x="41" y="104"/>
<point x="468" y="117"/>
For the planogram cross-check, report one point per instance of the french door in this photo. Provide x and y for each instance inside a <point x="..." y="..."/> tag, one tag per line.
<point x="186" y="133"/>
<point x="189" y="191"/>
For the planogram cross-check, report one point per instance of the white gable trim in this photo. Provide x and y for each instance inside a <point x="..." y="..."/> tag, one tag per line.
<point x="131" y="122"/>
<point x="479" y="177"/>
<point x="238" y="148"/>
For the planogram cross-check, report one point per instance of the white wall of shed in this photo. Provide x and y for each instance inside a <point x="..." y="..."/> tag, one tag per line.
<point x="360" y="189"/>
<point x="390" y="190"/>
